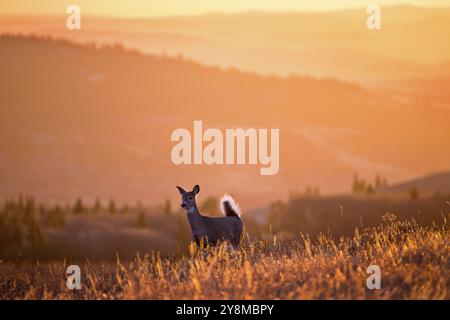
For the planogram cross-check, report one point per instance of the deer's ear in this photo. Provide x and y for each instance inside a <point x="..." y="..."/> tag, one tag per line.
<point x="182" y="191"/>
<point x="196" y="189"/>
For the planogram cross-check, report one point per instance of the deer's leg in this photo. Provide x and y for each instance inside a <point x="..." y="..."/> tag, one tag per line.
<point x="197" y="241"/>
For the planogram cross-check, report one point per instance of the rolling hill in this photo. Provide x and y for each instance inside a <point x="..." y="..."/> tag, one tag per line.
<point x="95" y="121"/>
<point x="429" y="184"/>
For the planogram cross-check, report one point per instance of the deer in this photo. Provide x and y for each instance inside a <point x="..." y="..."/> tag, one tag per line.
<point x="213" y="230"/>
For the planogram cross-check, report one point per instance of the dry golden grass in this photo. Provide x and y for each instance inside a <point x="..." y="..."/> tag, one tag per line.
<point x="414" y="262"/>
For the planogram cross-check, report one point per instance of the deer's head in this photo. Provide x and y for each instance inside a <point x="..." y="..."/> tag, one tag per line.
<point x="188" y="197"/>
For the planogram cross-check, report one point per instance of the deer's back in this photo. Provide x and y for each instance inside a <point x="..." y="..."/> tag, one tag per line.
<point x="223" y="228"/>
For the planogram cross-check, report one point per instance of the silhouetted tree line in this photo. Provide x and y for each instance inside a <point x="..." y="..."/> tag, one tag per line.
<point x="362" y="186"/>
<point x="25" y="226"/>
<point x="341" y="215"/>
<point x="19" y="225"/>
<point x="23" y="222"/>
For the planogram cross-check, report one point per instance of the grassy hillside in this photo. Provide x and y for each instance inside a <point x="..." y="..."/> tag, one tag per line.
<point x="413" y="261"/>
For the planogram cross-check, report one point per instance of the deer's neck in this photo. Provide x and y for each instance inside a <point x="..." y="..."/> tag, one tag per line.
<point x="195" y="219"/>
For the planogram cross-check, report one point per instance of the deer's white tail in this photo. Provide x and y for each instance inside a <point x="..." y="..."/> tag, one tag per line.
<point x="229" y="207"/>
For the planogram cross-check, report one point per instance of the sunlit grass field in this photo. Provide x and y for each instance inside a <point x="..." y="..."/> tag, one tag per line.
<point x="414" y="261"/>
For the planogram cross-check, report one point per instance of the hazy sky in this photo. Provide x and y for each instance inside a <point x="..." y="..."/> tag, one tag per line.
<point x="145" y="8"/>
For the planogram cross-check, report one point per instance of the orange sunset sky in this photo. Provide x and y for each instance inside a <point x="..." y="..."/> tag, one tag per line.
<point x="147" y="8"/>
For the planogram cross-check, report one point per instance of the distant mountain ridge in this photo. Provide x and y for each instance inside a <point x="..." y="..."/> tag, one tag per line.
<point x="326" y="44"/>
<point x="432" y="183"/>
